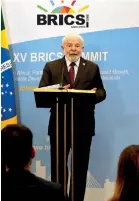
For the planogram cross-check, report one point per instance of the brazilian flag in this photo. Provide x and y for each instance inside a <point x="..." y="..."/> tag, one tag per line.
<point x="8" y="107"/>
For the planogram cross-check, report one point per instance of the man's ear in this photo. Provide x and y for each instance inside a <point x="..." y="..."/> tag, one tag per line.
<point x="33" y="152"/>
<point x="62" y="47"/>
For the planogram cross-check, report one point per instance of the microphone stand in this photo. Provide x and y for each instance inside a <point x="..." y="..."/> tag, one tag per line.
<point x="61" y="83"/>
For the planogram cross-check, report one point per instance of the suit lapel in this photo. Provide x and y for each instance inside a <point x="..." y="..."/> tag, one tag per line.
<point x="80" y="71"/>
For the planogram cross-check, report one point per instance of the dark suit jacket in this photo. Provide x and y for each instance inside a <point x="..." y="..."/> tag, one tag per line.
<point x="25" y="186"/>
<point x="87" y="78"/>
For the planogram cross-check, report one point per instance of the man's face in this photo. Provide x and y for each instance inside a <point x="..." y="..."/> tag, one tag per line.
<point x="72" y="48"/>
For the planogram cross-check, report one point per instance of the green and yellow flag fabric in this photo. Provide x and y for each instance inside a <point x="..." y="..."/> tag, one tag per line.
<point x="8" y="107"/>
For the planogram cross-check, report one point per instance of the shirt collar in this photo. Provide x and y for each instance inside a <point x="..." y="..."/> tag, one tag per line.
<point x="69" y="62"/>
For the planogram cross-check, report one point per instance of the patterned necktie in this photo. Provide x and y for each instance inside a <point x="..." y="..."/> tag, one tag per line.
<point x="72" y="73"/>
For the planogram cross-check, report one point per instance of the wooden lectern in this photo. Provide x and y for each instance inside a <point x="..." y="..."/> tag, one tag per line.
<point x="49" y="97"/>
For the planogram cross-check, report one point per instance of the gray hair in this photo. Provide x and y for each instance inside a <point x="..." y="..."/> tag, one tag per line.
<point x="72" y="35"/>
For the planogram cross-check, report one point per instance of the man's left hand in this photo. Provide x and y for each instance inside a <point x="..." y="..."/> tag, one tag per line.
<point x="94" y="89"/>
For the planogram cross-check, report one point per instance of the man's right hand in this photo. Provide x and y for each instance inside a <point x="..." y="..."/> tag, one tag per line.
<point x="67" y="86"/>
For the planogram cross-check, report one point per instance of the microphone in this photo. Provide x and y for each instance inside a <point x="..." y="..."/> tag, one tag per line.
<point x="61" y="82"/>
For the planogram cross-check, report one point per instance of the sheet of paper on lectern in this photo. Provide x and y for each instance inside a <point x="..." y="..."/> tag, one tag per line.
<point x="54" y="86"/>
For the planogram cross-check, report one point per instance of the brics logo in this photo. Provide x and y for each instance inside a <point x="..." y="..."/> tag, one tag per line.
<point x="63" y="15"/>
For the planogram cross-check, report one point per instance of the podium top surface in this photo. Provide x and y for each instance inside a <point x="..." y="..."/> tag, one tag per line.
<point x="45" y="89"/>
<point x="48" y="97"/>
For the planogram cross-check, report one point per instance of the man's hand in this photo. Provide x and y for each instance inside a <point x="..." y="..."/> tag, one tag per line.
<point x="94" y="89"/>
<point x="67" y="86"/>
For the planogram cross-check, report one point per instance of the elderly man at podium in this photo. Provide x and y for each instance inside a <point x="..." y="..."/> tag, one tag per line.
<point x="73" y="72"/>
